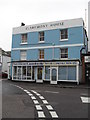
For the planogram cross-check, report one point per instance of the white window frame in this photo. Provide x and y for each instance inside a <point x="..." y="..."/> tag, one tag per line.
<point x="41" y="37"/>
<point x="66" y="39"/>
<point x="23" y="55"/>
<point x="63" y="53"/>
<point x="42" y="50"/>
<point x="23" y="40"/>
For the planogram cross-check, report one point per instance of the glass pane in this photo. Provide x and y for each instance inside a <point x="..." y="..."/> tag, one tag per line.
<point x="19" y="72"/>
<point x="24" y="38"/>
<point x="54" y="74"/>
<point x="41" y="36"/>
<point x="47" y="72"/>
<point x="33" y="69"/>
<point x="64" y="34"/>
<point x="28" y="72"/>
<point x="24" y="72"/>
<point x="71" y="73"/>
<point x="39" y="73"/>
<point x="15" y="70"/>
<point x="62" y="73"/>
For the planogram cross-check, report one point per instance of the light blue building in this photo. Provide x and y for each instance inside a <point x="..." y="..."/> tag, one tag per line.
<point x="48" y="51"/>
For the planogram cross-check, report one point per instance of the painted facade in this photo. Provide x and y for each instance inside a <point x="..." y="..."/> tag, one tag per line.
<point x="5" y="57"/>
<point x="48" y="51"/>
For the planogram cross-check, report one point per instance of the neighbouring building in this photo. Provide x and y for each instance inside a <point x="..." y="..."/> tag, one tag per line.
<point x="49" y="51"/>
<point x="5" y="57"/>
<point x="89" y="24"/>
<point x="86" y="67"/>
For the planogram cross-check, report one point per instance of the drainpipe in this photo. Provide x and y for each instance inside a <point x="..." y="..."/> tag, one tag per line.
<point x="82" y="62"/>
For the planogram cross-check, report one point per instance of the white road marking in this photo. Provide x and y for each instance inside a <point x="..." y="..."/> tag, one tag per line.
<point x="25" y="90"/>
<point x="33" y="91"/>
<point x="53" y="114"/>
<point x="45" y="101"/>
<point x="52" y="92"/>
<point x="38" y="107"/>
<point x="30" y="94"/>
<point x="49" y="107"/>
<point x="37" y="94"/>
<point x="41" y="114"/>
<point x="85" y="99"/>
<point x="41" y="97"/>
<point x="35" y="102"/>
<point x="33" y="98"/>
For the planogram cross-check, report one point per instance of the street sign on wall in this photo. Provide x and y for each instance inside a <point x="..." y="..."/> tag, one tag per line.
<point x="87" y="58"/>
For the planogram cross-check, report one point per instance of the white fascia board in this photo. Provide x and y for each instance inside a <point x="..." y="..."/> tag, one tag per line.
<point x="48" y="26"/>
<point x="46" y="47"/>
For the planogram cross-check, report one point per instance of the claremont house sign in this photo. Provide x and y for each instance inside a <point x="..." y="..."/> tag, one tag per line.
<point x="41" y="26"/>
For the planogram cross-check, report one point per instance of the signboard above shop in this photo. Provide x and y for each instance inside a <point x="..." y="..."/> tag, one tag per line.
<point x="44" y="63"/>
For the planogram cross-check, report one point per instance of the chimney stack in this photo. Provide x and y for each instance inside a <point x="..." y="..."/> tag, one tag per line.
<point x="22" y="24"/>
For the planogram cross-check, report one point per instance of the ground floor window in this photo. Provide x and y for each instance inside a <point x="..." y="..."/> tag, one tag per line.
<point x="24" y="72"/>
<point x="28" y="72"/>
<point x="58" y="73"/>
<point x="47" y="73"/>
<point x="39" y="75"/>
<point x="15" y="72"/>
<point x="67" y="73"/>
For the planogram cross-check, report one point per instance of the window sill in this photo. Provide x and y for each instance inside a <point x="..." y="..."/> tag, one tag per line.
<point x="41" y="42"/>
<point x="41" y="59"/>
<point x="63" y="58"/>
<point x="63" y="40"/>
<point x="23" y="60"/>
<point x="24" y="43"/>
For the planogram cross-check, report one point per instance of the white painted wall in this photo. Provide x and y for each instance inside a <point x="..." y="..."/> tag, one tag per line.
<point x="89" y="25"/>
<point x="5" y="59"/>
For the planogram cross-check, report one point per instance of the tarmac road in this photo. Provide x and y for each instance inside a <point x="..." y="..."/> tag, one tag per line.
<point x="31" y="100"/>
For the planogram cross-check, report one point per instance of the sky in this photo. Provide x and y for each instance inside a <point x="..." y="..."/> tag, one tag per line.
<point x="13" y="12"/>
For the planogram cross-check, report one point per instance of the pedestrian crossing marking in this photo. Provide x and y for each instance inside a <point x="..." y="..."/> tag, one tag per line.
<point x="85" y="99"/>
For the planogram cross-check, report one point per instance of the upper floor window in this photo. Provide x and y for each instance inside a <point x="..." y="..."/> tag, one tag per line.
<point x="64" y="52"/>
<point x="24" y="38"/>
<point x="64" y="34"/>
<point x="41" y="36"/>
<point x="41" y="54"/>
<point x="23" y="55"/>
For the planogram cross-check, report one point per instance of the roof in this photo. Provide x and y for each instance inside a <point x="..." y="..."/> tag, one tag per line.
<point x="5" y="53"/>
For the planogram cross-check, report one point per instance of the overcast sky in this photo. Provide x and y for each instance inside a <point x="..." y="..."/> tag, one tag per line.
<point x="13" y="12"/>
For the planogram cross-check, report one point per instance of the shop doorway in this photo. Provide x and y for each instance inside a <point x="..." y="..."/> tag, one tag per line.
<point x="53" y="75"/>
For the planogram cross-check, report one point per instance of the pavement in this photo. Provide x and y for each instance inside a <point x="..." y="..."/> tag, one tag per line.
<point x="60" y="84"/>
